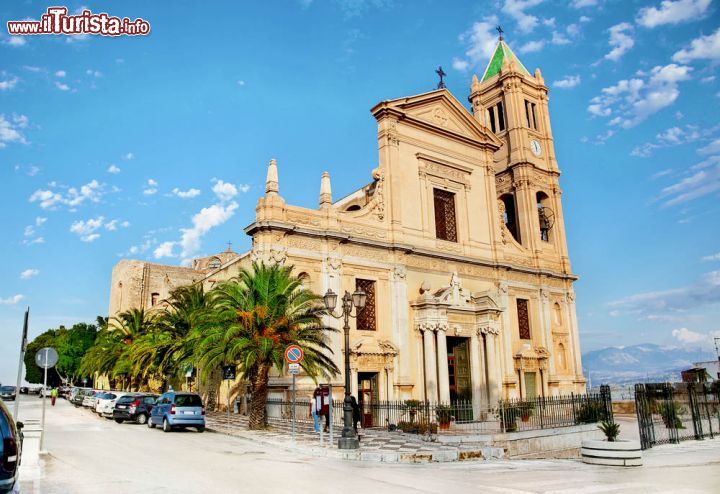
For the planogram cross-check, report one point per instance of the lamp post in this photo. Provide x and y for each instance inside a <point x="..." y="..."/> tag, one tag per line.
<point x="349" y="439"/>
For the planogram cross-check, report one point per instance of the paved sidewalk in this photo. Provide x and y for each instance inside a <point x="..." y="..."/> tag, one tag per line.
<point x="375" y="444"/>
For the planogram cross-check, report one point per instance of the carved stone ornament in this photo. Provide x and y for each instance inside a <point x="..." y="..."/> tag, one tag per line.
<point x="400" y="272"/>
<point x="334" y="264"/>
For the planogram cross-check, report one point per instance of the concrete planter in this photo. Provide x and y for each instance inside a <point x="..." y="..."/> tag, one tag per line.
<point x="617" y="453"/>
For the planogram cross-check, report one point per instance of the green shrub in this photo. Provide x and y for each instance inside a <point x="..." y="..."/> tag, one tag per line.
<point x="670" y="413"/>
<point x="610" y="429"/>
<point x="589" y="412"/>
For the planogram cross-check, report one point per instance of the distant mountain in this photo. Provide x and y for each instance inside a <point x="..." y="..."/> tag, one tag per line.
<point x="638" y="363"/>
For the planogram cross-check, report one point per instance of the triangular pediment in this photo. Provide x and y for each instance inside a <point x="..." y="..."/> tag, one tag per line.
<point x="440" y="110"/>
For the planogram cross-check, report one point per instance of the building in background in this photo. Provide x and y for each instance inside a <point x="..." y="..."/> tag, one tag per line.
<point x="458" y="240"/>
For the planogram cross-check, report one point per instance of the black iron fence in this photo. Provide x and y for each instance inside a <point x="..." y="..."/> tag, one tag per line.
<point x="674" y="412"/>
<point x="461" y="417"/>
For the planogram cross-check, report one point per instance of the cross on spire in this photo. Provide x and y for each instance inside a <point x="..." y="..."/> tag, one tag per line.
<point x="500" y="31"/>
<point x="229" y="244"/>
<point x="441" y="74"/>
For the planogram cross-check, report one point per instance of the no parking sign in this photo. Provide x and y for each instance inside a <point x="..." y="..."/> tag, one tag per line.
<point x="294" y="354"/>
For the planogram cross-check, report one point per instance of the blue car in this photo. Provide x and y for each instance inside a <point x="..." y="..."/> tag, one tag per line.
<point x="178" y="410"/>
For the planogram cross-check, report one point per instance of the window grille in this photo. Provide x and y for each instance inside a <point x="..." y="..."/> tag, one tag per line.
<point x="523" y="319"/>
<point x="366" y="317"/>
<point x="445" y="225"/>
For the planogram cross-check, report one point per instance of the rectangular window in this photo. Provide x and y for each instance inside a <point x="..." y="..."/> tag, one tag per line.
<point x="501" y="117"/>
<point x="527" y="113"/>
<point x="445" y="226"/>
<point x="491" y="118"/>
<point x="366" y="316"/>
<point x="523" y="319"/>
<point x="532" y="111"/>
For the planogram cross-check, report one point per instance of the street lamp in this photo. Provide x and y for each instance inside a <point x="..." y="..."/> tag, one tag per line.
<point x="349" y="439"/>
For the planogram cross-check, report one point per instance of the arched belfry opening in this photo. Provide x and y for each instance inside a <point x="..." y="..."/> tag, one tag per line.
<point x="511" y="218"/>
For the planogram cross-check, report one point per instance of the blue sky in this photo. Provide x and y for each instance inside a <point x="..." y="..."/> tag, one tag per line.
<point x="157" y="145"/>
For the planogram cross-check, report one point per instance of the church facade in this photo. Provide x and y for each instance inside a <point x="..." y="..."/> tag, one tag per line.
<point x="458" y="240"/>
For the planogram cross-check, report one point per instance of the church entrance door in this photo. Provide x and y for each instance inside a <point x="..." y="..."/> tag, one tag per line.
<point x="459" y="368"/>
<point x="368" y="396"/>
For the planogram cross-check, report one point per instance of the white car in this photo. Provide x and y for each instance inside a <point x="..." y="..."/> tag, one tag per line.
<point x="89" y="400"/>
<point x="106" y="402"/>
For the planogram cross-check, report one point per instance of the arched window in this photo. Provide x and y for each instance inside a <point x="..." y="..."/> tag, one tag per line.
<point x="545" y="215"/>
<point x="214" y="263"/>
<point x="510" y="218"/>
<point x="557" y="314"/>
<point x="154" y="299"/>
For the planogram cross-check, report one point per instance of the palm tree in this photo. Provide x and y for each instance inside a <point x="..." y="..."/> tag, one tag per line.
<point x="255" y="317"/>
<point x="168" y="347"/>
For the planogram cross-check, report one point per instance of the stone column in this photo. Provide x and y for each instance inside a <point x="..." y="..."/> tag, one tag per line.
<point x="390" y="384"/>
<point x="382" y="386"/>
<point x="400" y="331"/>
<point x="573" y="330"/>
<point x="475" y="374"/>
<point x="494" y="372"/>
<point x="443" y="376"/>
<point x="431" y="390"/>
<point x="331" y="279"/>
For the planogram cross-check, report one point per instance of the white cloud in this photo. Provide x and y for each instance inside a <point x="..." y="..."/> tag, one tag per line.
<point x="687" y="336"/>
<point x="532" y="46"/>
<point x="579" y="4"/>
<point x="60" y="73"/>
<point x="29" y="231"/>
<point x="165" y="249"/>
<point x="10" y="130"/>
<point x="634" y="100"/>
<point x="703" y="292"/>
<point x="567" y="82"/>
<point x="708" y="79"/>
<point x="38" y="240"/>
<point x="186" y="194"/>
<point x="584" y="18"/>
<point x="15" y="41"/>
<point x="559" y="39"/>
<point x="8" y="84"/>
<point x="712" y="148"/>
<point x="11" y="300"/>
<point x="29" y="273"/>
<point x="244" y="188"/>
<point x="93" y="73"/>
<point x="113" y="169"/>
<point x="714" y="257"/>
<point x="480" y="41"/>
<point x="115" y="224"/>
<point x="459" y="64"/>
<point x="549" y="22"/>
<point x="702" y="48"/>
<point x="128" y="156"/>
<point x="620" y="40"/>
<point x="675" y="136"/>
<point x="516" y="9"/>
<point x="224" y="190"/>
<point x="240" y="82"/>
<point x="86" y="229"/>
<point x="150" y="188"/>
<point x="672" y="12"/>
<point x="203" y="222"/>
<point x="62" y="86"/>
<point x="701" y="180"/>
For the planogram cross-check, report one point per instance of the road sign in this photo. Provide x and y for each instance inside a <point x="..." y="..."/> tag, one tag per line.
<point x="228" y="372"/>
<point x="294" y="368"/>
<point x="46" y="358"/>
<point x="293" y="354"/>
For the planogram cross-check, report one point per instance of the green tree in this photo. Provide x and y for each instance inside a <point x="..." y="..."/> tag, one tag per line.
<point x="71" y="345"/>
<point x="254" y="318"/>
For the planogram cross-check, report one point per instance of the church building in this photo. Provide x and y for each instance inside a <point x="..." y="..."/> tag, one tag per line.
<point x="458" y="240"/>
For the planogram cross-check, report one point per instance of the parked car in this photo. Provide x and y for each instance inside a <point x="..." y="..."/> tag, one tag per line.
<point x="106" y="401"/>
<point x="178" y="410"/>
<point x="24" y="390"/>
<point x="44" y="391"/>
<point x="10" y="449"/>
<point x="8" y="393"/>
<point x="91" y="398"/>
<point x="78" y="395"/>
<point x="135" y="407"/>
<point x="35" y="390"/>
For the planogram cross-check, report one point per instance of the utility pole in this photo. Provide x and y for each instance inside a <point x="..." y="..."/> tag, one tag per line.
<point x="23" y="346"/>
<point x="717" y="351"/>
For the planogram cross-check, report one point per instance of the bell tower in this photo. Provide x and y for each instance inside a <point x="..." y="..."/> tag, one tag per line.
<point x="513" y="104"/>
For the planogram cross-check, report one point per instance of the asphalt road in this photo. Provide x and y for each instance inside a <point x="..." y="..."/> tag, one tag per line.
<point x="88" y="454"/>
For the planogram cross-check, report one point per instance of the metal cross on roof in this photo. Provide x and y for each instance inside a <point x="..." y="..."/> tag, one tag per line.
<point x="229" y="246"/>
<point x="442" y="74"/>
<point x="500" y="32"/>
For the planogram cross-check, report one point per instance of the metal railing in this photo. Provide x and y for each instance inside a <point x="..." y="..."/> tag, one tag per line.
<point x="462" y="416"/>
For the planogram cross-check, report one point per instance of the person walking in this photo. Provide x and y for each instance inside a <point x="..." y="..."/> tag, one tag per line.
<point x="53" y="396"/>
<point x="314" y="414"/>
<point x="355" y="412"/>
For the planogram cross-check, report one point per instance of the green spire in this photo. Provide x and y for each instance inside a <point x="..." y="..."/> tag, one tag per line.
<point x="502" y="51"/>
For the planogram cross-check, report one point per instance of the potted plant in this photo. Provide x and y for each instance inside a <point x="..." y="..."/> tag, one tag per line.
<point x="611" y="451"/>
<point x="444" y="415"/>
<point x="525" y="409"/>
<point x="412" y="407"/>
